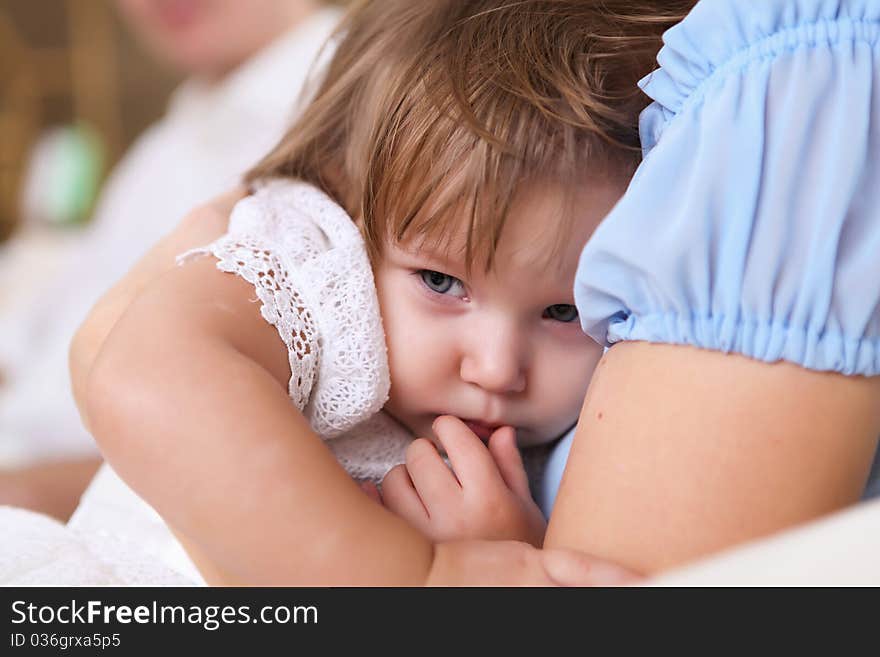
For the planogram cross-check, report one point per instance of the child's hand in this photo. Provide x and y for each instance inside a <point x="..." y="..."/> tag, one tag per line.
<point x="487" y="497"/>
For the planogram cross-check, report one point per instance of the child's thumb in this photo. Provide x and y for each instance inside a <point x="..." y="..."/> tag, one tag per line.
<point x="502" y="447"/>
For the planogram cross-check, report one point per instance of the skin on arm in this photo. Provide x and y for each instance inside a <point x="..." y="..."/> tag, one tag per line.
<point x="55" y="488"/>
<point x="681" y="452"/>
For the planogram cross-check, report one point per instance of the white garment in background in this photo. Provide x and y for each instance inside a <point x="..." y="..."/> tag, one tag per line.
<point x="208" y="138"/>
<point x="838" y="550"/>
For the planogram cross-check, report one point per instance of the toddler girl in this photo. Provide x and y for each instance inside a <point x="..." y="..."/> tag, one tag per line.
<point x="438" y="189"/>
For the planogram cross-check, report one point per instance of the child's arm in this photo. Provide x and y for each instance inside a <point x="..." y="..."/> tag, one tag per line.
<point x="188" y="399"/>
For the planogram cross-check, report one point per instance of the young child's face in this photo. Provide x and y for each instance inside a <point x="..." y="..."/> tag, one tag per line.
<point x="497" y="348"/>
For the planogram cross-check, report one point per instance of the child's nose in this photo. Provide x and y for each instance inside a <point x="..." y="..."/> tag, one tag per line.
<point x="494" y="360"/>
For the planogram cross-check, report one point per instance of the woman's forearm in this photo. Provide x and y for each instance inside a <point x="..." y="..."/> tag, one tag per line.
<point x="682" y="452"/>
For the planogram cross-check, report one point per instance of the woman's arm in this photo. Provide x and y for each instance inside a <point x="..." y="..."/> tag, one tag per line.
<point x="681" y="452"/>
<point x="750" y="228"/>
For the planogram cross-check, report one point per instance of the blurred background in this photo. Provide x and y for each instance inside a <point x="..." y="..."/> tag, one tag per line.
<point x="117" y="117"/>
<point x="75" y="91"/>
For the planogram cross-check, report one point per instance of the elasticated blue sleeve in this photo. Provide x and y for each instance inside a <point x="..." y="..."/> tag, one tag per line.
<point x="753" y="224"/>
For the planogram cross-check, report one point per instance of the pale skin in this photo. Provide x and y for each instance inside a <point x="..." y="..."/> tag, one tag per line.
<point x="197" y="314"/>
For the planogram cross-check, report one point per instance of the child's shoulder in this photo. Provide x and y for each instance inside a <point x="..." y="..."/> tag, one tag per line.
<point x="306" y="260"/>
<point x="205" y="222"/>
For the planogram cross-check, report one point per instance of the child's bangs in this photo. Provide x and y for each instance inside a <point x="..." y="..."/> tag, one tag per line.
<point x="433" y="116"/>
<point x="451" y="177"/>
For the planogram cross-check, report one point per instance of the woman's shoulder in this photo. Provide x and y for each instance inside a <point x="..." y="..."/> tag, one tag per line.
<point x="750" y="226"/>
<point x="719" y="38"/>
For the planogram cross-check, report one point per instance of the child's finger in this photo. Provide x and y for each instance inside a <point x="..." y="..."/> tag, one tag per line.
<point x="502" y="447"/>
<point x="431" y="477"/>
<point x="400" y="497"/>
<point x="469" y="457"/>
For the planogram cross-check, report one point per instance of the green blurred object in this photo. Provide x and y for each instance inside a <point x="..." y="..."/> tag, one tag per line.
<point x="63" y="176"/>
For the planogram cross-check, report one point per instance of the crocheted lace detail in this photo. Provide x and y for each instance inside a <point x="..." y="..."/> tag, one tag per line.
<point x="309" y="267"/>
<point x="372" y="448"/>
<point x="353" y="381"/>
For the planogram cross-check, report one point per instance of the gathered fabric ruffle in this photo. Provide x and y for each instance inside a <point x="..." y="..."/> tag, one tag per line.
<point x="753" y="224"/>
<point x="720" y="36"/>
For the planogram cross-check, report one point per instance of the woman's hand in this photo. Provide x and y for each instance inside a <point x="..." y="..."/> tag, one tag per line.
<point x="510" y="563"/>
<point x="485" y="495"/>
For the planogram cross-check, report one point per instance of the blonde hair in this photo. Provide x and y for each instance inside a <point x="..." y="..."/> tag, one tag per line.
<point x="435" y="111"/>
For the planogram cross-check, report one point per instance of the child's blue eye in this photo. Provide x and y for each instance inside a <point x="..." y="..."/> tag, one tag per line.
<point x="441" y="283"/>
<point x="561" y="312"/>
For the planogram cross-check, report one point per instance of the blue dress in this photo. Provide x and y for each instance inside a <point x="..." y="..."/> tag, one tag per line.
<point x="753" y="224"/>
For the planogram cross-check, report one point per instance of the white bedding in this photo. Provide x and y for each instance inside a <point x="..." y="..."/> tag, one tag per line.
<point x="113" y="538"/>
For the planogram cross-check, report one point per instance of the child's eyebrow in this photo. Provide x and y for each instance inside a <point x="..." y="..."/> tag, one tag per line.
<point x="443" y="259"/>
